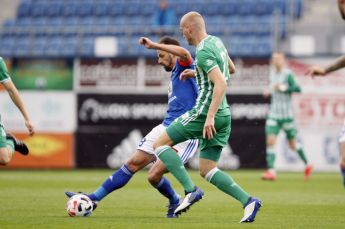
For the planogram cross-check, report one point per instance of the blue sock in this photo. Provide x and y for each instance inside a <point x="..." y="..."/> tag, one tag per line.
<point x="119" y="179"/>
<point x="343" y="173"/>
<point x="166" y="190"/>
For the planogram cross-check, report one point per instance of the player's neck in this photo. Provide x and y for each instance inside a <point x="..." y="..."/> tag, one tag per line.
<point x="200" y="37"/>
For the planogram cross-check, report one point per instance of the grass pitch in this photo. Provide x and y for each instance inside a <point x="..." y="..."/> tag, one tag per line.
<point x="35" y="199"/>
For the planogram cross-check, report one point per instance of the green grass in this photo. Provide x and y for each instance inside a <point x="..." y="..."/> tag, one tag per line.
<point x="35" y="199"/>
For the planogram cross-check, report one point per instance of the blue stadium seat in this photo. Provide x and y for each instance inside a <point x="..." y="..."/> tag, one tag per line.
<point x="116" y="9"/>
<point x="22" y="47"/>
<point x="147" y="9"/>
<point x="131" y="9"/>
<point x="10" y="23"/>
<point x="38" y="10"/>
<point x="228" y="9"/>
<point x="245" y="7"/>
<point x="38" y="46"/>
<point x="69" y="9"/>
<point x="84" y="9"/>
<point x="100" y="9"/>
<point x="25" y="21"/>
<point x="87" y="46"/>
<point x="56" y="21"/>
<point x="23" y="10"/>
<point x="39" y="21"/>
<point x="53" y="9"/>
<point x="212" y="9"/>
<point x="71" y="21"/>
<point x="263" y="7"/>
<point x="264" y="47"/>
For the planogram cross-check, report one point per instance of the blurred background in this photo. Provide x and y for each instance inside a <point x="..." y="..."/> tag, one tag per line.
<point x="93" y="92"/>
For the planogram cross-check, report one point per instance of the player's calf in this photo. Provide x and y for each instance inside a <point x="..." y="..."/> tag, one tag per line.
<point x="5" y="156"/>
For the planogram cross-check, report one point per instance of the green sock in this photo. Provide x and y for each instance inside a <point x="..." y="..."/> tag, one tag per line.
<point x="225" y="183"/>
<point x="174" y="164"/>
<point x="270" y="157"/>
<point x="301" y="154"/>
<point x="11" y="145"/>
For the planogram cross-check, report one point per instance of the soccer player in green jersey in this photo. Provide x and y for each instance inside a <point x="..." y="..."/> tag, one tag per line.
<point x="209" y="120"/>
<point x="281" y="117"/>
<point x="8" y="143"/>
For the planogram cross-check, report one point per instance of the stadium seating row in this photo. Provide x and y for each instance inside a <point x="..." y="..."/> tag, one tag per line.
<point x="70" y="46"/>
<point x="102" y="8"/>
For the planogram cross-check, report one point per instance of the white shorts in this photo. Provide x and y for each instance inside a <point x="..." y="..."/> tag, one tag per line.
<point x="342" y="134"/>
<point x="185" y="149"/>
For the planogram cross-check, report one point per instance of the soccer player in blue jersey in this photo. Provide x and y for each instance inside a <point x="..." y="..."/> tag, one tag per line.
<point x="181" y="98"/>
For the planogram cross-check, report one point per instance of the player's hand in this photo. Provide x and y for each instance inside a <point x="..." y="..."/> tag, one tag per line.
<point x="30" y="127"/>
<point x="315" y="71"/>
<point x="187" y="73"/>
<point x="146" y="42"/>
<point x="280" y="87"/>
<point x="209" y="129"/>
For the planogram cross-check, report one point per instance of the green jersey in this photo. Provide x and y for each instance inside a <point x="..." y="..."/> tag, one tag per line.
<point x="4" y="76"/>
<point x="281" y="105"/>
<point x="210" y="53"/>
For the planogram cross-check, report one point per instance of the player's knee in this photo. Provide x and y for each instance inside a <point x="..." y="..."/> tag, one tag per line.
<point x="202" y="172"/>
<point x="4" y="159"/>
<point x="154" y="177"/>
<point x="132" y="166"/>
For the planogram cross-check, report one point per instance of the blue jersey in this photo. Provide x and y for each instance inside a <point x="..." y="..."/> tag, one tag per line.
<point x="182" y="94"/>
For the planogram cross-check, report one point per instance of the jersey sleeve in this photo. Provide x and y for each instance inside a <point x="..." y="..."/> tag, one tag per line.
<point x="4" y="76"/>
<point x="292" y="84"/>
<point x="206" y="60"/>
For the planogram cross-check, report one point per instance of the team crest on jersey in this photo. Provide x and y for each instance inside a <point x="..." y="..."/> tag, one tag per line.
<point x="209" y="62"/>
<point x="219" y="44"/>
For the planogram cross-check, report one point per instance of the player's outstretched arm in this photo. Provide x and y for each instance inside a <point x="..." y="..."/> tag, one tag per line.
<point x="321" y="71"/>
<point x="232" y="68"/>
<point x="293" y="86"/>
<point x="14" y="94"/>
<point x="176" y="50"/>
<point x="341" y="5"/>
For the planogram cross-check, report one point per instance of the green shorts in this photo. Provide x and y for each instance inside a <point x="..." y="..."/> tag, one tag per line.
<point x="180" y="130"/>
<point x="273" y="126"/>
<point x="3" y="139"/>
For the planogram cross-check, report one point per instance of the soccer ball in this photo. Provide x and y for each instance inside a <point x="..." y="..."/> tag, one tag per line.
<point x="79" y="205"/>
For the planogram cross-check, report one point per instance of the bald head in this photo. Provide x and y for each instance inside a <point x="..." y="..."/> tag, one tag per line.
<point x="193" y="27"/>
<point x="193" y="19"/>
